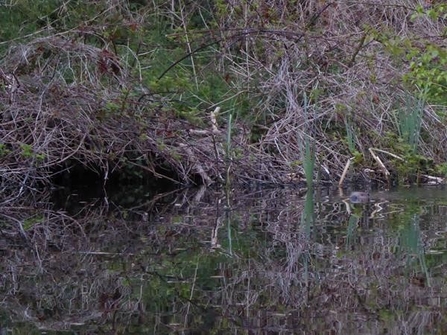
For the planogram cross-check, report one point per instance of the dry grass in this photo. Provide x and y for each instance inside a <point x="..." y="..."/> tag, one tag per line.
<point x="51" y="123"/>
<point x="315" y="69"/>
<point x="330" y="70"/>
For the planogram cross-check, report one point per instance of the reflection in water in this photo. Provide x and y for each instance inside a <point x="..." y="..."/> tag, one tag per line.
<point x="274" y="262"/>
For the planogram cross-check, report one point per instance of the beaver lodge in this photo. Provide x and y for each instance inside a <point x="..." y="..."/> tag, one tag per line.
<point x="343" y="112"/>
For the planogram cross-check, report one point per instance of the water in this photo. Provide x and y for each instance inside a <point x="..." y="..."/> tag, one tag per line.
<point x="198" y="262"/>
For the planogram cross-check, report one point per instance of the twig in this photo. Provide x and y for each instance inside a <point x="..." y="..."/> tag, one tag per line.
<point x="345" y="171"/>
<point x="381" y="165"/>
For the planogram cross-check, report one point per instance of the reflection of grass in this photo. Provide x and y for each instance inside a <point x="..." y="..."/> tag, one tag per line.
<point x="411" y="244"/>
<point x="308" y="216"/>
<point x="351" y="230"/>
<point x="268" y="260"/>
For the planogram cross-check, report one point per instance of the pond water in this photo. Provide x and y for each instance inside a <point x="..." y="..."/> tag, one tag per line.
<point x="251" y="262"/>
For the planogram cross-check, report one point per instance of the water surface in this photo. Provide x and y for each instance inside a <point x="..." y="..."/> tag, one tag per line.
<point x="252" y="262"/>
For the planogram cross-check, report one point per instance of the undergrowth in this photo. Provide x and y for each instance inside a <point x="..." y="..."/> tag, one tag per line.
<point x="308" y="86"/>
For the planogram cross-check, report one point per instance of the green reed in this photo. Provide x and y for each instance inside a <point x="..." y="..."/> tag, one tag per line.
<point x="409" y="121"/>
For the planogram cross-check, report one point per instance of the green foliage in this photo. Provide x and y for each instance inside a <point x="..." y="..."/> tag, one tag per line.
<point x="434" y="12"/>
<point x="28" y="152"/>
<point x="30" y="222"/>
<point x="4" y="150"/>
<point x="111" y="107"/>
<point x="428" y="73"/>
<point x="413" y="163"/>
<point x="441" y="169"/>
<point x="165" y="46"/>
<point x="428" y="61"/>
<point x="358" y="157"/>
<point x="25" y="17"/>
<point x="413" y="166"/>
<point x="426" y="76"/>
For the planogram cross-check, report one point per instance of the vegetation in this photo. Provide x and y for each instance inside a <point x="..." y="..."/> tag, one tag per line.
<point x="131" y="87"/>
<point x="221" y="91"/>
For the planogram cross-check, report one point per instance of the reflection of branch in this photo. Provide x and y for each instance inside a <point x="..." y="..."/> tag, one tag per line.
<point x="361" y="301"/>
